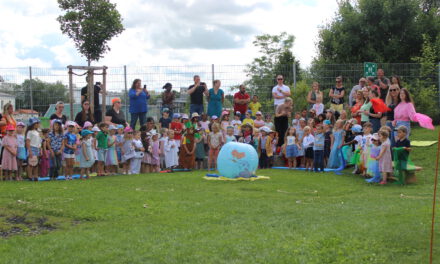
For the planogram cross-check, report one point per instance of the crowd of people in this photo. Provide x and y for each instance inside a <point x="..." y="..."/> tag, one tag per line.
<point x="311" y="138"/>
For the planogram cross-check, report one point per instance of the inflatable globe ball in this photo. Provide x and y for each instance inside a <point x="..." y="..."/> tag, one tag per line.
<point x="237" y="160"/>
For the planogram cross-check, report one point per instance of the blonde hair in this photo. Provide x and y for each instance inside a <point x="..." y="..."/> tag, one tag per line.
<point x="388" y="99"/>
<point x="288" y="99"/>
<point x="215" y="125"/>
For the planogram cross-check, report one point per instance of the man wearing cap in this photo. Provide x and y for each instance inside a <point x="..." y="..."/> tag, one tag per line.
<point x="241" y="100"/>
<point x="114" y="116"/>
<point x="196" y="92"/>
<point x="168" y="97"/>
<point x="357" y="87"/>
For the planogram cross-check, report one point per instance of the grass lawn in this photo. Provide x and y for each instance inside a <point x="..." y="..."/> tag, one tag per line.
<point x="295" y="217"/>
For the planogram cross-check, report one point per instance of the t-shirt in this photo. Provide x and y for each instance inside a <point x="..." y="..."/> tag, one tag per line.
<point x="291" y="140"/>
<point x="237" y="125"/>
<point x="34" y="138"/>
<point x="177" y="128"/>
<point x="97" y="89"/>
<point x="215" y="139"/>
<point x="165" y="122"/>
<point x="403" y="143"/>
<point x="117" y="118"/>
<point x="383" y="92"/>
<point x="308" y="141"/>
<point x="71" y="141"/>
<point x="79" y="118"/>
<point x="63" y="118"/>
<point x="319" y="108"/>
<point x="255" y="107"/>
<point x="337" y="91"/>
<point x="259" y="123"/>
<point x="102" y="139"/>
<point x="56" y="141"/>
<point x="365" y="107"/>
<point x="248" y="121"/>
<point x="242" y="108"/>
<point x="319" y="141"/>
<point x="197" y="95"/>
<point x="359" y="141"/>
<point x="275" y="90"/>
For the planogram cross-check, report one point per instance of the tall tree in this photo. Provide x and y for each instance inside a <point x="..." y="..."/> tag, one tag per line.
<point x="276" y="58"/>
<point x="378" y="30"/>
<point x="43" y="94"/>
<point x="90" y="24"/>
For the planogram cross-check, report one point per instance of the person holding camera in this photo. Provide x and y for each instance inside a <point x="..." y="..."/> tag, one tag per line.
<point x="97" y="113"/>
<point x="196" y="92"/>
<point x="138" y="103"/>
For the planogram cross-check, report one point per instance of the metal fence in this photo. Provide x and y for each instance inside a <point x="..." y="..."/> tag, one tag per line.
<point x="49" y="85"/>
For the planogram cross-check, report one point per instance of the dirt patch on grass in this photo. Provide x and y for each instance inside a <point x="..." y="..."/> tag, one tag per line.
<point x="24" y="224"/>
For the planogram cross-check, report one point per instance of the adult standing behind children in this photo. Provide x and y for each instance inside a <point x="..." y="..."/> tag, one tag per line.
<point x="196" y="92"/>
<point x="59" y="107"/>
<point x="216" y="97"/>
<point x="138" y="103"/>
<point x="313" y="94"/>
<point x="337" y="94"/>
<point x="241" y="100"/>
<point x="168" y="97"/>
<point x="282" y="115"/>
<point x="115" y="116"/>
<point x="383" y="83"/>
<point x="280" y="92"/>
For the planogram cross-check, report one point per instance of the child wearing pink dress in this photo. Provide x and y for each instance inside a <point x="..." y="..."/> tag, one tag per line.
<point x="384" y="158"/>
<point x="9" y="160"/>
<point x="155" y="152"/>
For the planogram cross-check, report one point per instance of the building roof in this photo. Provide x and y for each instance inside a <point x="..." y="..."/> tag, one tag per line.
<point x="25" y="111"/>
<point x="6" y="95"/>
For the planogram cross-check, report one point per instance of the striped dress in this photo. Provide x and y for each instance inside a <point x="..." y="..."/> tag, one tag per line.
<point x="112" y="158"/>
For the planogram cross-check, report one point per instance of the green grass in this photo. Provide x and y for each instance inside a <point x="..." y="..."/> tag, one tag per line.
<point x="295" y="217"/>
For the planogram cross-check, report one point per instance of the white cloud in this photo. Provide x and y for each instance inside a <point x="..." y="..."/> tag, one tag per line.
<point x="167" y="32"/>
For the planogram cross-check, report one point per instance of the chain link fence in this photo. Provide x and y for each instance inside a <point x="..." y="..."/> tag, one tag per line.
<point x="50" y="85"/>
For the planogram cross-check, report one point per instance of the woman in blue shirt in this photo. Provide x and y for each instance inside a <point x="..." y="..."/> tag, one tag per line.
<point x="138" y="103"/>
<point x="215" y="100"/>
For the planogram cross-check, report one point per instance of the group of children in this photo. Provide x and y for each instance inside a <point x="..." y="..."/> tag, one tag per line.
<point x="184" y="142"/>
<point x="317" y="143"/>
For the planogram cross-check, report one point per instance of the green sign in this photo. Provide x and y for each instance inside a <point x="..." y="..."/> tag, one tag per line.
<point x="370" y="69"/>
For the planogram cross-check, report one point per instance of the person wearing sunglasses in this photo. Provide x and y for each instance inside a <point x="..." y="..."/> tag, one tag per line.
<point x="115" y="116"/>
<point x="392" y="100"/>
<point x="280" y="92"/>
<point x="337" y="94"/>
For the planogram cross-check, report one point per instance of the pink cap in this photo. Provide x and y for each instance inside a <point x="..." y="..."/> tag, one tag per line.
<point x="225" y="113"/>
<point x="10" y="128"/>
<point x="87" y="124"/>
<point x="128" y="129"/>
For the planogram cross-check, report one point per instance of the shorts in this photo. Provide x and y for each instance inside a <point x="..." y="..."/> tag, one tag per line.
<point x="309" y="153"/>
<point x="69" y="156"/>
<point x="35" y="151"/>
<point x="337" y="107"/>
<point x="291" y="151"/>
<point x="102" y="154"/>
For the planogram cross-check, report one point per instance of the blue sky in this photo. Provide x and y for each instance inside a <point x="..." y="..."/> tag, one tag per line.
<point x="166" y="32"/>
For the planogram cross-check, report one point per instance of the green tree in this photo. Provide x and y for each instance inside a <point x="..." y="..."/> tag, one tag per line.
<point x="378" y="30"/>
<point x="90" y="24"/>
<point x="276" y="58"/>
<point x="43" y="94"/>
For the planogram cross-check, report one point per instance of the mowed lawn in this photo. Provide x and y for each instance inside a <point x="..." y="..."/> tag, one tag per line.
<point x="295" y="217"/>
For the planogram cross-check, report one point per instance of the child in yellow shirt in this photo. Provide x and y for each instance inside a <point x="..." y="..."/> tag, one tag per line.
<point x="254" y="106"/>
<point x="248" y="119"/>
